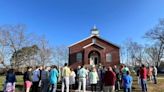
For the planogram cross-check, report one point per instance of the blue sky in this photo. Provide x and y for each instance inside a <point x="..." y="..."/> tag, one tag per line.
<point x="64" y="22"/>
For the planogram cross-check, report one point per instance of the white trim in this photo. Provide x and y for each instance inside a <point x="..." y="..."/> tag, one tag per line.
<point x="110" y="42"/>
<point x="88" y="45"/>
<point x="80" y="41"/>
<point x="93" y="44"/>
<point x="97" y="37"/>
<point x="100" y="45"/>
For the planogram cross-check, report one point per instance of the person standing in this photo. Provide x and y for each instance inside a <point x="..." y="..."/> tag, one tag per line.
<point x="40" y="80"/>
<point x="127" y="82"/>
<point x="35" y="79"/>
<point x="27" y="77"/>
<point x="93" y="78"/>
<point x="82" y="76"/>
<point x="101" y="71"/>
<point x="155" y="75"/>
<point x="65" y="77"/>
<point x="76" y="78"/>
<point x="45" y="79"/>
<point x="72" y="79"/>
<point x="118" y="78"/>
<point x="143" y="77"/>
<point x="150" y="73"/>
<point x="138" y="77"/>
<point x="10" y="81"/>
<point x="124" y="70"/>
<point x="109" y="80"/>
<point x="87" y="79"/>
<point x="53" y="78"/>
<point x="102" y="77"/>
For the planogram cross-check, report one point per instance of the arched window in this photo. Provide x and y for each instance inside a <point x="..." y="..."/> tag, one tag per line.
<point x="79" y="56"/>
<point x="109" y="57"/>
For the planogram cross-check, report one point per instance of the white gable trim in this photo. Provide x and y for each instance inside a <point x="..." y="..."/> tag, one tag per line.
<point x="80" y="41"/>
<point x="91" y="37"/>
<point x="110" y="42"/>
<point x="93" y="44"/>
<point x="88" y="45"/>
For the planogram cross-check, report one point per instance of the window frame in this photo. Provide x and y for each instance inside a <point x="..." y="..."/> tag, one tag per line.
<point x="79" y="56"/>
<point x="109" y="57"/>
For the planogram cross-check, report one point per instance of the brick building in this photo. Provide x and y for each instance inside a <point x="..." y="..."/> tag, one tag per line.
<point x="93" y="50"/>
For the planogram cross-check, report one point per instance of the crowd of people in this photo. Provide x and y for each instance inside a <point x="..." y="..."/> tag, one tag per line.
<point x="95" y="78"/>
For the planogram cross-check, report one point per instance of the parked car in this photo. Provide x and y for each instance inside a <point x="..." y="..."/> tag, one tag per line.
<point x="160" y="70"/>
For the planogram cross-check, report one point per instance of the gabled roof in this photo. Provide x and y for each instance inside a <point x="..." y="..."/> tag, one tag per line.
<point x="80" y="41"/>
<point x="91" y="37"/>
<point x="94" y="44"/>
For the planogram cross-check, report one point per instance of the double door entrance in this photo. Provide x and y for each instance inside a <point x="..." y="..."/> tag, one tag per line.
<point x="94" y="58"/>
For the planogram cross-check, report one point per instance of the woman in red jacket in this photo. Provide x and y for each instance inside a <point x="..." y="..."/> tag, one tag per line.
<point x="109" y="80"/>
<point x="143" y="77"/>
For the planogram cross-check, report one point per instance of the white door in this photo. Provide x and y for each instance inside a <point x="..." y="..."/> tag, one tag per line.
<point x="93" y="60"/>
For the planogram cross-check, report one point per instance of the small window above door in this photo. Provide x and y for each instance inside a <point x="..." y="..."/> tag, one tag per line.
<point x="94" y="40"/>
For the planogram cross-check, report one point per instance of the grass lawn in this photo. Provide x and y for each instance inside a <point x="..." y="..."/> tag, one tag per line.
<point x="19" y="83"/>
<point x="151" y="87"/>
<point x="159" y="87"/>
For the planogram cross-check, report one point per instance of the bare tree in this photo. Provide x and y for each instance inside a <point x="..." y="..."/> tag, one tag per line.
<point x="60" y="55"/>
<point x="134" y="52"/>
<point x="156" y="34"/>
<point x="4" y="50"/>
<point x="155" y="54"/>
<point x="122" y="54"/>
<point x="12" y="39"/>
<point x="45" y="52"/>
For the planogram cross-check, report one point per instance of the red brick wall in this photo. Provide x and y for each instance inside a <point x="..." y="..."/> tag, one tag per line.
<point x="73" y="50"/>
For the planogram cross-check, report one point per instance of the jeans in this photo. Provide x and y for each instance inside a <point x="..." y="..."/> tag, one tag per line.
<point x="82" y="81"/>
<point x="155" y="79"/>
<point x="44" y="85"/>
<point x="53" y="87"/>
<point x="139" y="81"/>
<point x="117" y="85"/>
<point x="127" y="90"/>
<point x="65" y="82"/>
<point x="144" y="85"/>
<point x="35" y="86"/>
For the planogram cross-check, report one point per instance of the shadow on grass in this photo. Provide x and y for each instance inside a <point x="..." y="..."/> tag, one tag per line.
<point x="19" y="88"/>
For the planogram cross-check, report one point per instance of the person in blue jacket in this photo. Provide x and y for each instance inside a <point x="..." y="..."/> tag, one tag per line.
<point x="53" y="77"/>
<point x="127" y="82"/>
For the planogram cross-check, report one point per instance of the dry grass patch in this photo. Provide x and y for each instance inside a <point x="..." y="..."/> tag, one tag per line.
<point x="157" y="87"/>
